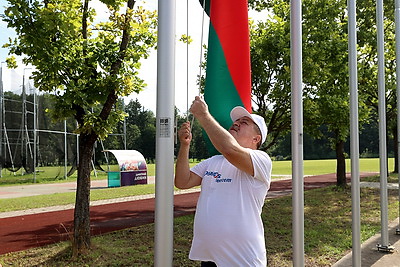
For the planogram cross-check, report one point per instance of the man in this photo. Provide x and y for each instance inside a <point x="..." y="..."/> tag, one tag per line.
<point x="228" y="230"/>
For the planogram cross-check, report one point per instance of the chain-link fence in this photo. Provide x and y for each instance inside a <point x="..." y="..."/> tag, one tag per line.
<point x="31" y="143"/>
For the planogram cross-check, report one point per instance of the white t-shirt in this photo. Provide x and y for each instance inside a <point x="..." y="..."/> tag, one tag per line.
<point x="227" y="228"/>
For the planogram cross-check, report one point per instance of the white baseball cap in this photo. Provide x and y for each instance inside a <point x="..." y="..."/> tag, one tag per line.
<point x="239" y="112"/>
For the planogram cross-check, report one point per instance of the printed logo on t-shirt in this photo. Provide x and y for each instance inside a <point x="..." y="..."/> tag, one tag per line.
<point x="217" y="177"/>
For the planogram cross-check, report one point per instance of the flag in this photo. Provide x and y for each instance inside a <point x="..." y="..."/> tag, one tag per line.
<point x="228" y="71"/>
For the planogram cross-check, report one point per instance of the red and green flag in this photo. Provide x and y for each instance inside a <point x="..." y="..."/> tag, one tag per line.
<point x="228" y="73"/>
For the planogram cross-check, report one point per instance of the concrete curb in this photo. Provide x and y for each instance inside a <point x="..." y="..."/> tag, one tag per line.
<point x="370" y="256"/>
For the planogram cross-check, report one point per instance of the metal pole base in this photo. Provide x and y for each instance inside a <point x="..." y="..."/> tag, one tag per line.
<point x="397" y="231"/>
<point x="388" y="248"/>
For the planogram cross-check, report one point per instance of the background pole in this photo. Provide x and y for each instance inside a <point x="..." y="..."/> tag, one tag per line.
<point x="297" y="133"/>
<point x="1" y="116"/>
<point x="165" y="134"/>
<point x="382" y="128"/>
<point x="397" y="34"/>
<point x="354" y="137"/>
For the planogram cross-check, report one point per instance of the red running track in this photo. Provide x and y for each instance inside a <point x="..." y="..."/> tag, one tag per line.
<point x="28" y="231"/>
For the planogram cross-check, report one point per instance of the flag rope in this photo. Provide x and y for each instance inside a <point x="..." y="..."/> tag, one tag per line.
<point x="187" y="58"/>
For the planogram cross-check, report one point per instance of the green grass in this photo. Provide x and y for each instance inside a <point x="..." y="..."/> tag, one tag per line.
<point x="23" y="203"/>
<point x="311" y="167"/>
<point x="44" y="175"/>
<point x="317" y="167"/>
<point x="56" y="174"/>
<point x="327" y="235"/>
<point x="392" y="178"/>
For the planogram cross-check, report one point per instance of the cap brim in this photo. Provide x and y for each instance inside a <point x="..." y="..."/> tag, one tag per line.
<point x="239" y="112"/>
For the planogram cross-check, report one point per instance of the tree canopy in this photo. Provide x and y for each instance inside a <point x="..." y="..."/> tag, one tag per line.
<point x="83" y="63"/>
<point x="86" y="65"/>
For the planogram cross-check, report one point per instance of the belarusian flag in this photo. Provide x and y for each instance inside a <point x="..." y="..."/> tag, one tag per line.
<point x="228" y="74"/>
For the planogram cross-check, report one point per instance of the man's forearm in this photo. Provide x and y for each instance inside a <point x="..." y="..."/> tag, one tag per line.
<point x="222" y="140"/>
<point x="182" y="168"/>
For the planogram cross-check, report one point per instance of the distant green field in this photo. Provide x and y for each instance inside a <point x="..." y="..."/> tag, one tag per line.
<point x="56" y="174"/>
<point x="279" y="168"/>
<point x="316" y="167"/>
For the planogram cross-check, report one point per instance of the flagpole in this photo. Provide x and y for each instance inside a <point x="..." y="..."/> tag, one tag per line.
<point x="383" y="170"/>
<point x="1" y="115"/>
<point x="164" y="211"/>
<point x="297" y="133"/>
<point x="354" y="137"/>
<point x="397" y="33"/>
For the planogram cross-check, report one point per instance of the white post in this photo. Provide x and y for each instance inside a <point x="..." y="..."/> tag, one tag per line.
<point x="164" y="212"/>
<point x="354" y="136"/>
<point x="397" y="33"/>
<point x="25" y="133"/>
<point x="35" y="126"/>
<point x="65" y="150"/>
<point x="1" y="116"/>
<point x="124" y="134"/>
<point x="382" y="128"/>
<point x="24" y="128"/>
<point x="297" y="133"/>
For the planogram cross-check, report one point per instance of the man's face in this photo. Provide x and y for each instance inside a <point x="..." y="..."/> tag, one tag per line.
<point x="243" y="130"/>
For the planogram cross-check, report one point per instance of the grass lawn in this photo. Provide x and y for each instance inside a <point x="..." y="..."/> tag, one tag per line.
<point x="23" y="203"/>
<point x="317" y="167"/>
<point x="327" y="234"/>
<point x="54" y="174"/>
<point x="327" y="225"/>
<point x="311" y="167"/>
<point x="279" y="168"/>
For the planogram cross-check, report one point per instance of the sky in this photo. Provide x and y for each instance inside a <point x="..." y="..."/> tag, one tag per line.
<point x="187" y="69"/>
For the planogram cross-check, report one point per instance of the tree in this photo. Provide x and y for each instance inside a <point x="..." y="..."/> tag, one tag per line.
<point x="326" y="75"/>
<point x="325" y="70"/>
<point x="369" y="67"/>
<point x="86" y="66"/>
<point x="143" y="125"/>
<point x="271" y="89"/>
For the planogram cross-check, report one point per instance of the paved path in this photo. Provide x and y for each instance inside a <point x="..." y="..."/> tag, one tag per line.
<point x="32" y="228"/>
<point x="46" y="189"/>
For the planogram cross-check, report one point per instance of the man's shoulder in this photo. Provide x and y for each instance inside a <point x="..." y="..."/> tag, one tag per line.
<point x="211" y="159"/>
<point x="261" y="153"/>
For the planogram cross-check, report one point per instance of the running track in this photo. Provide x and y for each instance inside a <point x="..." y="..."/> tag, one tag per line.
<point x="28" y="231"/>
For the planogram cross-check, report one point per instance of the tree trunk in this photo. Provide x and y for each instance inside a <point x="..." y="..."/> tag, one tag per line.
<point x="340" y="164"/>
<point x="81" y="238"/>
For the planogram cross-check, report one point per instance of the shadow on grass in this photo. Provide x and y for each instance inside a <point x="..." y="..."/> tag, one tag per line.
<point x="327" y="224"/>
<point x="327" y="232"/>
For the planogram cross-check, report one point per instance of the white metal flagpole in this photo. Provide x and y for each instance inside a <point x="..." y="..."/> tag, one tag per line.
<point x="354" y="137"/>
<point x="384" y="246"/>
<point x="1" y="116"/>
<point x="164" y="212"/>
<point x="297" y="133"/>
<point x="397" y="33"/>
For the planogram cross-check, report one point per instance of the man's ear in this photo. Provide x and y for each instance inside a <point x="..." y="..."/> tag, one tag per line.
<point x="257" y="138"/>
